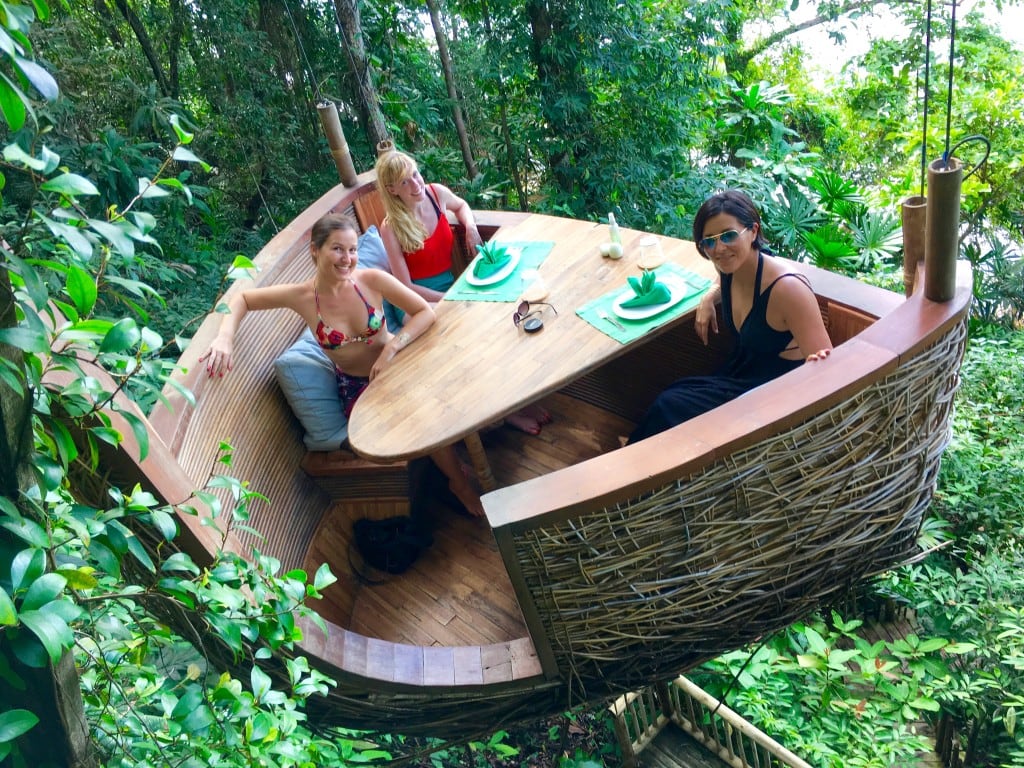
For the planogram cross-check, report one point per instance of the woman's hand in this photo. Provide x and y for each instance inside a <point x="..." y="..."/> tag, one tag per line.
<point x="392" y="348"/>
<point x="473" y="239"/>
<point x="707" y="317"/>
<point x="821" y="354"/>
<point x="219" y="356"/>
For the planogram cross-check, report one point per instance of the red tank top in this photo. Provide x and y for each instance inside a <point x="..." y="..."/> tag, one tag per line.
<point x="435" y="256"/>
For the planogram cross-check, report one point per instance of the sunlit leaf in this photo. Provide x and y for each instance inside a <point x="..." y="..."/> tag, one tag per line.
<point x="183" y="155"/>
<point x="8" y="613"/>
<point x="115" y="235"/>
<point x="39" y="77"/>
<point x="149" y="190"/>
<point x="70" y="184"/>
<point x="183" y="136"/>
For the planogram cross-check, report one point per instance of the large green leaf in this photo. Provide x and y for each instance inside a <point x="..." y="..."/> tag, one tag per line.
<point x="16" y="722"/>
<point x="70" y="184"/>
<point x="51" y="630"/>
<point x="12" y="103"/>
<point x="123" y="336"/>
<point x="82" y="289"/>
<point x="39" y="77"/>
<point x="44" y="589"/>
<point x="116" y="235"/>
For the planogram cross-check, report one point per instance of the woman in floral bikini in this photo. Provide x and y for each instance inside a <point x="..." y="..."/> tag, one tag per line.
<point x="343" y="308"/>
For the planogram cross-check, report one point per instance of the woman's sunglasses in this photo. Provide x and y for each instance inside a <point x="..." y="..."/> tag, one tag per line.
<point x="523" y="311"/>
<point x="726" y="238"/>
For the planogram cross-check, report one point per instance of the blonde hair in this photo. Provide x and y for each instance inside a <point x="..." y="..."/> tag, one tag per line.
<point x="393" y="168"/>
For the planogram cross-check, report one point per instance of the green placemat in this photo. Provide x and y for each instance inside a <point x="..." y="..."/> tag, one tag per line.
<point x="533" y="253"/>
<point x="625" y="331"/>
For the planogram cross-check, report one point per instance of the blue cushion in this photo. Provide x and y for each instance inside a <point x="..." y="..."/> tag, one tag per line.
<point x="306" y="376"/>
<point x="371" y="250"/>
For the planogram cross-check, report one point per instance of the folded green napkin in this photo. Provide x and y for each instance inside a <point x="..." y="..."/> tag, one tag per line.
<point x="493" y="257"/>
<point x="648" y="290"/>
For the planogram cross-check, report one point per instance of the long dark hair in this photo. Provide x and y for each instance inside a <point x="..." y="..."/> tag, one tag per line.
<point x="733" y="203"/>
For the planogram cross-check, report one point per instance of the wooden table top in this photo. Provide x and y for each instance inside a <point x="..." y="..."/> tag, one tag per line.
<point x="474" y="367"/>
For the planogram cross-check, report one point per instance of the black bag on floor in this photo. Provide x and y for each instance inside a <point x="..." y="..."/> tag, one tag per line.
<point x="392" y="544"/>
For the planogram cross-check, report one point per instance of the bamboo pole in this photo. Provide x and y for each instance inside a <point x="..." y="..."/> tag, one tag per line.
<point x="331" y="124"/>
<point x="942" y="237"/>
<point x="914" y="216"/>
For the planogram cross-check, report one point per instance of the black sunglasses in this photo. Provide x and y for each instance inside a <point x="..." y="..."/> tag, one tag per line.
<point x="523" y="311"/>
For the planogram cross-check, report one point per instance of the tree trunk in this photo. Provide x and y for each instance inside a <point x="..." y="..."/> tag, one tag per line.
<point x="367" y="100"/>
<point x="54" y="694"/>
<point x="506" y="133"/>
<point x="449" y="80"/>
<point x="565" y="99"/>
<point x="146" y="44"/>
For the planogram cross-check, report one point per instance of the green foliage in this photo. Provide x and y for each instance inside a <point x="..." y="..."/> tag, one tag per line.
<point x="90" y="570"/>
<point x="833" y="697"/>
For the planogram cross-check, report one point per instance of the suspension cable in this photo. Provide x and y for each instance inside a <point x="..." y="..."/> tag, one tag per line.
<point x="302" y="50"/>
<point x="949" y="87"/>
<point x="927" y="80"/>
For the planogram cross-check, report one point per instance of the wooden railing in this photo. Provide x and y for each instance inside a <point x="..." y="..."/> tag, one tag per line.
<point x="736" y="742"/>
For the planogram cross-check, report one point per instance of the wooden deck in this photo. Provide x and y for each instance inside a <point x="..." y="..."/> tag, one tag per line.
<point x="674" y="748"/>
<point x="458" y="592"/>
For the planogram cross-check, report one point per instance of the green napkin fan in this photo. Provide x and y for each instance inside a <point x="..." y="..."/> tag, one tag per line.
<point x="649" y="292"/>
<point x="493" y="257"/>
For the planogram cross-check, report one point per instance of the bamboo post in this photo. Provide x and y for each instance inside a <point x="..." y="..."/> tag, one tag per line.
<point x="385" y="146"/>
<point x="914" y="210"/>
<point x="336" y="141"/>
<point x="942" y="237"/>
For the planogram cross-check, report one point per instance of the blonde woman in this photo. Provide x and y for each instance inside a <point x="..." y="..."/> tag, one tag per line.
<point x="343" y="309"/>
<point x="418" y="240"/>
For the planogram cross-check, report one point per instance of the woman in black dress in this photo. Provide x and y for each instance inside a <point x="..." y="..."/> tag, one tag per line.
<point x="769" y="309"/>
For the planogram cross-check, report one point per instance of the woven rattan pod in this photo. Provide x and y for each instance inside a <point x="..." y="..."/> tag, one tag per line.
<point x="625" y="568"/>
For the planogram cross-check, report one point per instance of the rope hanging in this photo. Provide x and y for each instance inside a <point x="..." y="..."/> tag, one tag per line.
<point x="949" y="150"/>
<point x="302" y="50"/>
<point x="927" y="80"/>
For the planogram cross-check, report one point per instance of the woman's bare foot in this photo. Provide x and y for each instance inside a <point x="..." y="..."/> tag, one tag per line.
<point x="459" y="483"/>
<point x="538" y="412"/>
<point x="467" y="495"/>
<point x="523" y="423"/>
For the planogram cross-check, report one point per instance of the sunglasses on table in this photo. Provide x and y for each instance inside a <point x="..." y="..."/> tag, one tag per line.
<point x="524" y="310"/>
<point x="726" y="238"/>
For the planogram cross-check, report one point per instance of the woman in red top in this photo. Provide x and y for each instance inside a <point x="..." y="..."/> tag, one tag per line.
<point x="418" y="240"/>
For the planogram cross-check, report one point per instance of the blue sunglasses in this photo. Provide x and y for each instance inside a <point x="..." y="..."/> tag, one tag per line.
<point x="726" y="238"/>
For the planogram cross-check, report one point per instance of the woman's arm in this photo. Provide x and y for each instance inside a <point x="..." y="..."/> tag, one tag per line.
<point x="452" y="202"/>
<point x="219" y="357"/>
<point x="802" y="317"/>
<point x="418" y="315"/>
<point x="399" y="267"/>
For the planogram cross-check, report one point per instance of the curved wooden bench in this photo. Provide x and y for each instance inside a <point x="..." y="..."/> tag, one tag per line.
<point x="627" y="567"/>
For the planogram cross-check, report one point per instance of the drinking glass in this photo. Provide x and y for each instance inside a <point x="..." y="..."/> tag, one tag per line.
<point x="533" y="289"/>
<point x="650" y="253"/>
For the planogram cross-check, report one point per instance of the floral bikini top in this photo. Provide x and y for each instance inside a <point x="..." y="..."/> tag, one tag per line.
<point x="329" y="338"/>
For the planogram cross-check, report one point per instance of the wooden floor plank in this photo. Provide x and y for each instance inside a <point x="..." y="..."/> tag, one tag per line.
<point x="458" y="592"/>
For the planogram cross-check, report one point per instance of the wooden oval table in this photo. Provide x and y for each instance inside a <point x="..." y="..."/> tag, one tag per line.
<point x="474" y="366"/>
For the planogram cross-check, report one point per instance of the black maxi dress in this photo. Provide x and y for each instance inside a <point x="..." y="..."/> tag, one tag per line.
<point x="754" y="360"/>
